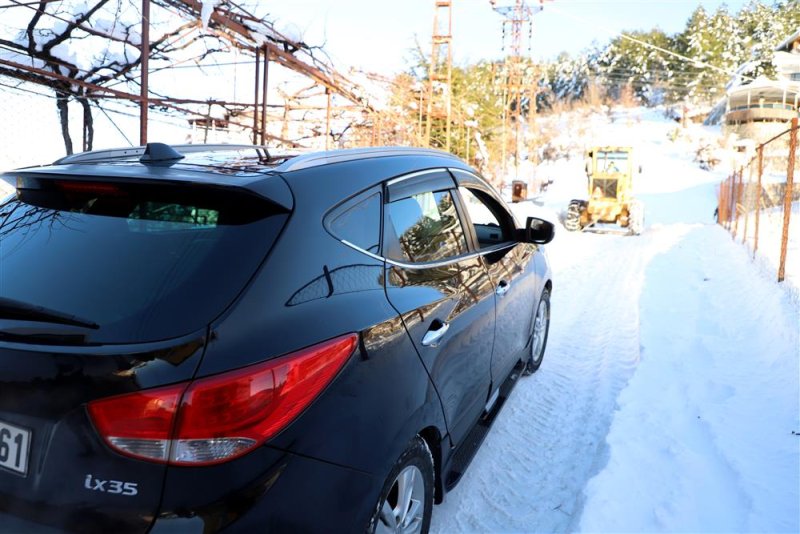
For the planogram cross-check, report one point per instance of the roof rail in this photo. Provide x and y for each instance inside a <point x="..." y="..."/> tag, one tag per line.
<point x="139" y="151"/>
<point x="316" y="159"/>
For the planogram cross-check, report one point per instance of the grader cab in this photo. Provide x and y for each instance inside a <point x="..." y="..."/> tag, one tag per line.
<point x="610" y="206"/>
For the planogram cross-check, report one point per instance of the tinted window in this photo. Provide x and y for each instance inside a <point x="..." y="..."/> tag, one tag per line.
<point x="359" y="223"/>
<point x="144" y="263"/>
<point x="486" y="217"/>
<point x="427" y="227"/>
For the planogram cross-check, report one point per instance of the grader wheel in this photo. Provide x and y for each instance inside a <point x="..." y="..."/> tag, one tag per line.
<point x="572" y="222"/>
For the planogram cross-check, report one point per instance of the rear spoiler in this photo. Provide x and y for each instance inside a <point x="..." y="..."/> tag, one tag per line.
<point x="268" y="187"/>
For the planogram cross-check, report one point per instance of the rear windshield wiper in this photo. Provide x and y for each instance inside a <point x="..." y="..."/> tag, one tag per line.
<point x="15" y="309"/>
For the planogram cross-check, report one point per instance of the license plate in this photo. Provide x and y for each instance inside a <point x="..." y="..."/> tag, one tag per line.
<point x="14" y="447"/>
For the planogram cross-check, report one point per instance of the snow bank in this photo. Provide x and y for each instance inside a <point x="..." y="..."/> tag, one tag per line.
<point x="704" y="439"/>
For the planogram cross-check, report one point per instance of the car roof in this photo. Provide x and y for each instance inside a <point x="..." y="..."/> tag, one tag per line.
<point x="237" y="158"/>
<point x="250" y="167"/>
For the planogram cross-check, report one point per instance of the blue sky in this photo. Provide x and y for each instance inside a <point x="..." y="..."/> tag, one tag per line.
<point x="377" y="35"/>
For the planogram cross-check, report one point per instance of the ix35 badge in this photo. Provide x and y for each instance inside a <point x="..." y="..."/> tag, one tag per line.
<point x="115" y="487"/>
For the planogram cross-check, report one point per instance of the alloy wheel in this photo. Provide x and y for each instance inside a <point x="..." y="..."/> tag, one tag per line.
<point x="403" y="510"/>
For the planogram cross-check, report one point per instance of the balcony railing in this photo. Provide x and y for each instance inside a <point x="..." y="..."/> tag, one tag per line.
<point x="765" y="113"/>
<point x="775" y="105"/>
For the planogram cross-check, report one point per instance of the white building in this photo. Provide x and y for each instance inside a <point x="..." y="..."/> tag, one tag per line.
<point x="762" y="108"/>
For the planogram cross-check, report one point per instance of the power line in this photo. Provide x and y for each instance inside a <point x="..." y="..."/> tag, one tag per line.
<point x="114" y="124"/>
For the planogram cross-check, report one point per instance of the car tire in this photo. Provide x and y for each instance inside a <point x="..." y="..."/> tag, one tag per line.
<point x="541" y="327"/>
<point x="412" y="475"/>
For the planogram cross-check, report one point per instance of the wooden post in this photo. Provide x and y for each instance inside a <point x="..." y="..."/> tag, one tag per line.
<point x="420" y="139"/>
<point x="85" y="132"/>
<point x="737" y="201"/>
<point x="264" y="97"/>
<point x="256" y="96"/>
<point x="758" y="195"/>
<point x="469" y="133"/>
<point x="208" y="118"/>
<point x="787" y="200"/>
<point x="145" y="66"/>
<point x="328" y="120"/>
<point x="504" y="139"/>
<point x="731" y="201"/>
<point x="747" y="213"/>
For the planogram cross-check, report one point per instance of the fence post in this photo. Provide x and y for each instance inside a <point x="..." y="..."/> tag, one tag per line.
<point x="787" y="200"/>
<point x="723" y="202"/>
<point x="758" y="195"/>
<point x="737" y="200"/>
<point x="727" y="224"/>
<point x="731" y="200"/>
<point x="746" y="213"/>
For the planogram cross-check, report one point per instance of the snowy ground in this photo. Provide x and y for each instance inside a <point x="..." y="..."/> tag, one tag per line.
<point x="669" y="399"/>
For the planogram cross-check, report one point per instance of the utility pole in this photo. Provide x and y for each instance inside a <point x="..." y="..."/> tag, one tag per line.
<point x="516" y="17"/>
<point x="440" y="72"/>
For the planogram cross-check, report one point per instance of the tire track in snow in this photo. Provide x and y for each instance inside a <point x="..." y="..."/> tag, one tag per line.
<point x="550" y="437"/>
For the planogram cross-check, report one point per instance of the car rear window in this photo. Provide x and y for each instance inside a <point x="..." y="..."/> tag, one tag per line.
<point x="144" y="262"/>
<point x="358" y="221"/>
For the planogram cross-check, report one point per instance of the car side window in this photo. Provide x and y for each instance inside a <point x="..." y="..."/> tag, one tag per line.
<point x="489" y="220"/>
<point x="426" y="228"/>
<point x="358" y="222"/>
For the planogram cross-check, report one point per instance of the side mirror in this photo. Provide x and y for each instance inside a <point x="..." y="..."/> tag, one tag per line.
<point x="537" y="231"/>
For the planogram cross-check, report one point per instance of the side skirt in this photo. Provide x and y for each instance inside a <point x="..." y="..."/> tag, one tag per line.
<point x="463" y="454"/>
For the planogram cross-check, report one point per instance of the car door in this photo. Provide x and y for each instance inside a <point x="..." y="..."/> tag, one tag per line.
<point x="510" y="264"/>
<point x="442" y="292"/>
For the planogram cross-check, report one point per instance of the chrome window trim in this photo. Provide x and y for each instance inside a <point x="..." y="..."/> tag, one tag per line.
<point x="361" y="250"/>
<point x="431" y="264"/>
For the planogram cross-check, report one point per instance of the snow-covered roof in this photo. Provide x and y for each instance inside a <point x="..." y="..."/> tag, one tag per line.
<point x="785" y="45"/>
<point x="765" y="86"/>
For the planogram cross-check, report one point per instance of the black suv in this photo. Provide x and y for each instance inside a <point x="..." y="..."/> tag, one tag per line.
<point x="207" y="338"/>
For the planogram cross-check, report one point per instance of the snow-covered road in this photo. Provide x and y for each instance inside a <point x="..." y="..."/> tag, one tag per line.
<point x="669" y="397"/>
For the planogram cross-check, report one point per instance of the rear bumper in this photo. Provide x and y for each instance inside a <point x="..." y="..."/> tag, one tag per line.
<point x="14" y="524"/>
<point x="267" y="491"/>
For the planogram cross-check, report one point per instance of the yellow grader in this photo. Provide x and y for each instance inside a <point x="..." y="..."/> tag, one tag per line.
<point x="609" y="171"/>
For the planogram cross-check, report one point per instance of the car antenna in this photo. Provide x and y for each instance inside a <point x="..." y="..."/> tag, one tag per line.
<point x="155" y="152"/>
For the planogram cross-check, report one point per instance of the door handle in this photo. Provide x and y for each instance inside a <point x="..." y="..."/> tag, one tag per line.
<point x="502" y="288"/>
<point x="432" y="336"/>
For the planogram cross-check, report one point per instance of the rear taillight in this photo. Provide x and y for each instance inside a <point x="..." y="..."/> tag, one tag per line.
<point x="215" y="419"/>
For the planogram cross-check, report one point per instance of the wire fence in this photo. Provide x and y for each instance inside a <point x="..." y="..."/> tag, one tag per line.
<point x="759" y="204"/>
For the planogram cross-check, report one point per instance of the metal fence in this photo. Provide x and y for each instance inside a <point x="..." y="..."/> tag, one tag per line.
<point x="758" y="200"/>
